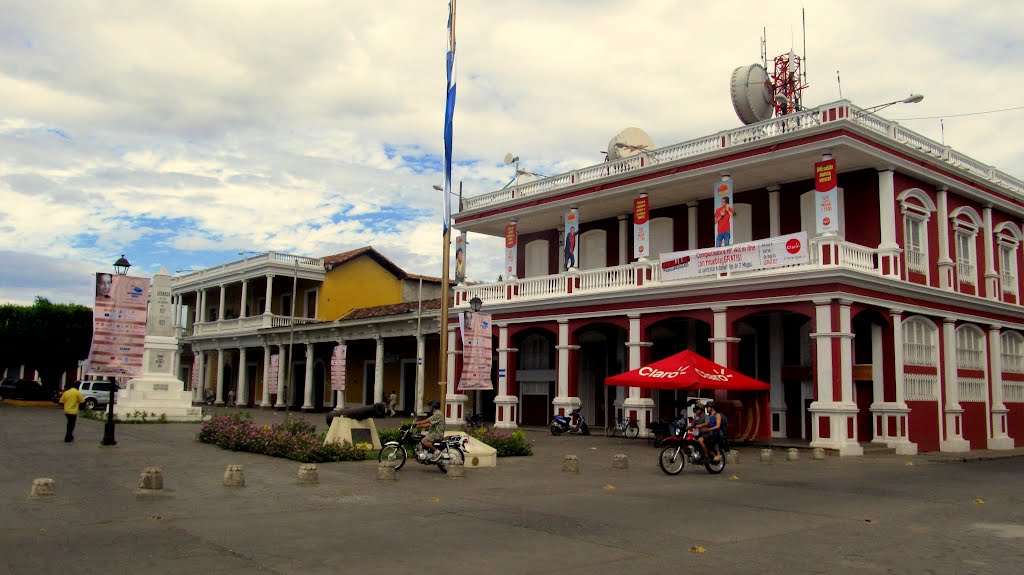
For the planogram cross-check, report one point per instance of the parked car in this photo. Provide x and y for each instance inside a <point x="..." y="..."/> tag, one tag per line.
<point x="26" y="389"/>
<point x="97" y="393"/>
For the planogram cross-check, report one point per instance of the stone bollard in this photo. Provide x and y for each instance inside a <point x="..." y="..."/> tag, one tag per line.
<point x="152" y="478"/>
<point x="732" y="457"/>
<point x="308" y="474"/>
<point x="766" y="455"/>
<point x="386" y="471"/>
<point x="818" y="453"/>
<point x="234" y="476"/>
<point x="792" y="454"/>
<point x="43" y="487"/>
<point x="456" y="470"/>
<point x="571" y="464"/>
<point x="620" y="461"/>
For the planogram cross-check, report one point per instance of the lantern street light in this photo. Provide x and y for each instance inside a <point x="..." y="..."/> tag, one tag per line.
<point x="120" y="268"/>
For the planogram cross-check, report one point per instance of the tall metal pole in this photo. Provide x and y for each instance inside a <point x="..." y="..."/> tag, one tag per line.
<point x="291" y="333"/>
<point x="443" y="368"/>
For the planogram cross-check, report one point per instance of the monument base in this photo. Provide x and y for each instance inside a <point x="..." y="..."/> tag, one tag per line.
<point x="353" y="431"/>
<point x="159" y="394"/>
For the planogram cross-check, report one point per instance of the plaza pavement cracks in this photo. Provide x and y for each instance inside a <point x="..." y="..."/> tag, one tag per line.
<point x="850" y="515"/>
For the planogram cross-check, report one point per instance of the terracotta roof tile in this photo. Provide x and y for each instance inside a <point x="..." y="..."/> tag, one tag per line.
<point x="391" y="309"/>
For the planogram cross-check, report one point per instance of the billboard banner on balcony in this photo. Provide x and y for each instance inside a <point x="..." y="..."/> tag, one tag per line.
<point x="338" y="358"/>
<point x="572" y="246"/>
<point x="724" y="212"/>
<point x="476" y="351"/>
<point x="275" y="363"/>
<point x="763" y="254"/>
<point x="460" y="258"/>
<point x="118" y="325"/>
<point x="511" y="245"/>
<point x="641" y="227"/>
<point x="827" y="194"/>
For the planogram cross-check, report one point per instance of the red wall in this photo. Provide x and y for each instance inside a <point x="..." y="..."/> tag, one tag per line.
<point x="924" y="425"/>
<point x="860" y="203"/>
<point x="1015" y="423"/>
<point x="973" y="421"/>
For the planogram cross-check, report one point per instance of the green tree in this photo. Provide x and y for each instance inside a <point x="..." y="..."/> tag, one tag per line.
<point x="47" y="337"/>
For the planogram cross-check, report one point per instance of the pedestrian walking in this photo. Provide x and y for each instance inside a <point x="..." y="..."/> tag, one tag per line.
<point x="392" y="402"/>
<point x="231" y="397"/>
<point x="71" y="399"/>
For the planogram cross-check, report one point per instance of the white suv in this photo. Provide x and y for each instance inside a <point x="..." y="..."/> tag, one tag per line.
<point x="97" y="393"/>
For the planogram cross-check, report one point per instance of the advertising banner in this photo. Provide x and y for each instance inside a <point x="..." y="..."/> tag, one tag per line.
<point x="763" y="254"/>
<point x="275" y="362"/>
<point x="118" y="325"/>
<point x="826" y="186"/>
<point x="194" y="380"/>
<point x="724" y="212"/>
<point x="476" y="351"/>
<point x="641" y="227"/>
<point x="511" y="246"/>
<point x="338" y="357"/>
<point x="460" y="258"/>
<point x="571" y="247"/>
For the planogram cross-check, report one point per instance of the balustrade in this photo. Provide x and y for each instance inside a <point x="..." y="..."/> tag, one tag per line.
<point x="920" y="387"/>
<point x="1013" y="392"/>
<point x="971" y="388"/>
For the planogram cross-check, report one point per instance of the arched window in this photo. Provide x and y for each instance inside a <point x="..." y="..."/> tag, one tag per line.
<point x="1008" y="238"/>
<point x="1012" y="352"/>
<point x="537" y="253"/>
<point x="919" y="336"/>
<point x="966" y="223"/>
<point x="534" y="352"/>
<point x="970" y="348"/>
<point x="917" y="208"/>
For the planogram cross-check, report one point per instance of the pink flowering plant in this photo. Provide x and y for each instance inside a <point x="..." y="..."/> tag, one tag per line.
<point x="508" y="444"/>
<point x="293" y="439"/>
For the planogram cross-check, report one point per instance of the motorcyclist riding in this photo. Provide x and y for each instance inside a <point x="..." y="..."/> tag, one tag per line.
<point x="434" y="424"/>
<point x="710" y="432"/>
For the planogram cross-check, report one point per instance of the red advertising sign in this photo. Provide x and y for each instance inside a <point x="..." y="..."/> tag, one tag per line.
<point x="825" y="175"/>
<point x="338" y="358"/>
<point x="511" y="245"/>
<point x="640" y="210"/>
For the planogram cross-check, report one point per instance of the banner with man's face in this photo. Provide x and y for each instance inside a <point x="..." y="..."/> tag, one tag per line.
<point x="460" y="258"/>
<point x="119" y="325"/>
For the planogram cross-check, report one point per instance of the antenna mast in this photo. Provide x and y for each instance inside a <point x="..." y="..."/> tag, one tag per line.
<point x="764" y="47"/>
<point x="803" y="23"/>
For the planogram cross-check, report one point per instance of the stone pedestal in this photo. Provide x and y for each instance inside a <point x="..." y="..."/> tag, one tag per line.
<point x="234" y="476"/>
<point x="766" y="456"/>
<point x="571" y="464"/>
<point x="792" y="454"/>
<point x="620" y="461"/>
<point x="308" y="474"/>
<point x="43" y="487"/>
<point x="834" y="426"/>
<point x="506" y="409"/>
<point x="152" y="478"/>
<point x="386" y="472"/>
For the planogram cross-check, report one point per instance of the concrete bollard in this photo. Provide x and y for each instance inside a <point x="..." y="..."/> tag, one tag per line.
<point x="792" y="454"/>
<point x="456" y="470"/>
<point x="620" y="461"/>
<point x="732" y="457"/>
<point x="308" y="474"/>
<point x="386" y="471"/>
<point x="152" y="478"/>
<point x="234" y="476"/>
<point x="766" y="455"/>
<point x="571" y="464"/>
<point x="43" y="487"/>
<point x="818" y="453"/>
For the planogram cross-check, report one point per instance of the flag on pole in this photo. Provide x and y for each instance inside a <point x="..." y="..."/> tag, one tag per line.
<point x="449" y="114"/>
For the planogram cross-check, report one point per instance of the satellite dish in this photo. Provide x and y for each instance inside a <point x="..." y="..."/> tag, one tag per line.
<point x="751" y="93"/>
<point x="510" y="159"/>
<point x="523" y="177"/>
<point x="629" y="142"/>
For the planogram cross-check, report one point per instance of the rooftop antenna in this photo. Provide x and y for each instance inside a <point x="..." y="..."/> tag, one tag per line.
<point x="764" y="48"/>
<point x="840" y="84"/>
<point x="803" y="23"/>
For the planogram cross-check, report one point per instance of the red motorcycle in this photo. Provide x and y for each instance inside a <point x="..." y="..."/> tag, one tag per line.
<point x="682" y="446"/>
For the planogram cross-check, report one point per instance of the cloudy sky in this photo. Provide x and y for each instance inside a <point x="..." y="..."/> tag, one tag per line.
<point x="180" y="133"/>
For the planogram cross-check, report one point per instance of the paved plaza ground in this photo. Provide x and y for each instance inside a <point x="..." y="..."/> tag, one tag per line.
<point x="880" y="514"/>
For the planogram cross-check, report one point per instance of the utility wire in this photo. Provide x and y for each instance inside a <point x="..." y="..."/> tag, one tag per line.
<point x="959" y="115"/>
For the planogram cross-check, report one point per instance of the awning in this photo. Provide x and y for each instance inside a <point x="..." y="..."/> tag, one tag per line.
<point x="686" y="370"/>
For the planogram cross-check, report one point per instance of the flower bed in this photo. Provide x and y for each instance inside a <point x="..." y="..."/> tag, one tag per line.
<point x="292" y="439"/>
<point x="508" y="444"/>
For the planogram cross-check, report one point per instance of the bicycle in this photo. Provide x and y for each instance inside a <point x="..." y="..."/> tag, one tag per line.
<point x="628" y="427"/>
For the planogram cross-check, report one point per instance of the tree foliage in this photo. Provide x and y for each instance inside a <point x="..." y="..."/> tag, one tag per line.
<point x="47" y="337"/>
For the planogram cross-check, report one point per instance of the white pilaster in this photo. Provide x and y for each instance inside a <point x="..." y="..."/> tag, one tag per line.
<point x="953" y="439"/>
<point x="505" y="403"/>
<point x="455" y="402"/>
<point x="265" y="400"/>
<point x="282" y="383"/>
<point x="242" y="393"/>
<point x="840" y="417"/>
<point x="241" y="306"/>
<point x="888" y="249"/>
<point x="774" y="219"/>
<point x="221" y="352"/>
<point x="199" y="395"/>
<point x="998" y="438"/>
<point x="339" y="394"/>
<point x="378" y="370"/>
<point x="202" y="309"/>
<point x="635" y="407"/>
<point x="220" y="306"/>
<point x="946" y="263"/>
<point x="420" y="357"/>
<point x="691" y="225"/>
<point x="563" y="403"/>
<point x="991" y="277"/>
<point x="307" y="389"/>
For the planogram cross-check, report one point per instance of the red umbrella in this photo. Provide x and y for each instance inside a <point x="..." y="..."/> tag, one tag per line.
<point x="686" y="370"/>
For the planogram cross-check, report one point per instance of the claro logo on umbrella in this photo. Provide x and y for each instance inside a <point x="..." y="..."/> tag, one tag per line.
<point x="648" y="371"/>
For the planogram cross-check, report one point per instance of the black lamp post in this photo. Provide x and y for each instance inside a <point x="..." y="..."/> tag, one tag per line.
<point x="120" y="268"/>
<point x="476" y="304"/>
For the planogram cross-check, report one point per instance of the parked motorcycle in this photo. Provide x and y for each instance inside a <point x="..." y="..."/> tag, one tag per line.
<point x="209" y="397"/>
<point x="563" y="424"/>
<point x="452" y="448"/>
<point x="474" y="420"/>
<point x="682" y="446"/>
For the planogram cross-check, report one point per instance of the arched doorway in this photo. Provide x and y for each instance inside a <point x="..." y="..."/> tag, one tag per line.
<point x="602" y="353"/>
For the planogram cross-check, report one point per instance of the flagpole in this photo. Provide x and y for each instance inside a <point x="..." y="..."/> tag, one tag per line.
<point x="449" y="113"/>
<point x="443" y="367"/>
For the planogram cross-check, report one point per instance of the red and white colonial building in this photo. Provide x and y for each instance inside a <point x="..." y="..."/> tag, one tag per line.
<point x="903" y="328"/>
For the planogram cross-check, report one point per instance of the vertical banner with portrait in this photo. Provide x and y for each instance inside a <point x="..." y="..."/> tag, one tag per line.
<point x="476" y="351"/>
<point x="118" y="325"/>
<point x="641" y="227"/>
<point x="275" y="363"/>
<point x="511" y="248"/>
<point x="338" y="358"/>
<point x="724" y="212"/>
<point x="460" y="258"/>
<point x="826" y="187"/>
<point x="571" y="247"/>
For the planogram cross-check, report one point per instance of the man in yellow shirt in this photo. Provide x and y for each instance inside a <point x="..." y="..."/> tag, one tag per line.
<point x="71" y="399"/>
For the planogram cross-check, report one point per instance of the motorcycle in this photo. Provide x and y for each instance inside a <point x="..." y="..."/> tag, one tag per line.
<point x="452" y="448"/>
<point x="209" y="397"/>
<point x="562" y="424"/>
<point x="682" y="446"/>
<point x="474" y="420"/>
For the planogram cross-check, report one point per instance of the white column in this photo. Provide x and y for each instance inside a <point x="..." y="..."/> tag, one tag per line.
<point x="953" y="433"/>
<point x="624" y="255"/>
<point x="202" y="310"/>
<point x="563" y="403"/>
<point x="998" y="438"/>
<point x="455" y="403"/>
<point x="220" y="307"/>
<point x="420" y="372"/>
<point x="719" y="337"/>
<point x="242" y="312"/>
<point x="846" y="356"/>
<point x="339" y="394"/>
<point x="636" y="407"/>
<point x="903" y="445"/>
<point x="946" y="263"/>
<point x="774" y="219"/>
<point x="834" y="416"/>
<point x="991" y="277"/>
<point x="503" y="401"/>
<point x="307" y="400"/>
<point x="691" y="225"/>
<point x="561" y="248"/>
<point x="197" y="312"/>
<point x="282" y="383"/>
<point x="777" y="394"/>
<point x="200" y="392"/>
<point x="888" y="249"/>
<point x="220" y="376"/>
<point x="265" y="400"/>
<point x="267" y="297"/>
<point x="242" y="393"/>
<point x="378" y="370"/>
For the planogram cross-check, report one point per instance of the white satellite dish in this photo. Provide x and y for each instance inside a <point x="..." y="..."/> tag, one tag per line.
<point x="510" y="159"/>
<point x="629" y="142"/>
<point x="751" y="93"/>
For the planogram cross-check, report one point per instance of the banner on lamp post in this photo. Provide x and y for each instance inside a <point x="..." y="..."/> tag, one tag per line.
<point x="118" y="325"/>
<point x="641" y="227"/>
<point x="194" y="379"/>
<point x="460" y="258"/>
<point x="511" y="247"/>
<point x="826" y="197"/>
<point x="275" y="362"/>
<point x="571" y="248"/>
<point x="724" y="212"/>
<point x="476" y="351"/>
<point x="338" y="359"/>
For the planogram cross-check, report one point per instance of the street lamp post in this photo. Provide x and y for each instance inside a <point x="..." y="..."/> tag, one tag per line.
<point x="911" y="99"/>
<point x="120" y="268"/>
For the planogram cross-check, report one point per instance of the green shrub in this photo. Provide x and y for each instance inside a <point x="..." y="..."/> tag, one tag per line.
<point x="293" y="439"/>
<point x="387" y="435"/>
<point x="507" y="444"/>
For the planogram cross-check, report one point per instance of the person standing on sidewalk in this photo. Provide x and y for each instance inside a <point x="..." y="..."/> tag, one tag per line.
<point x="392" y="402"/>
<point x="71" y="399"/>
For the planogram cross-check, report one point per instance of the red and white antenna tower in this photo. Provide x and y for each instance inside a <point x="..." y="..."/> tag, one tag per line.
<point x="788" y="77"/>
